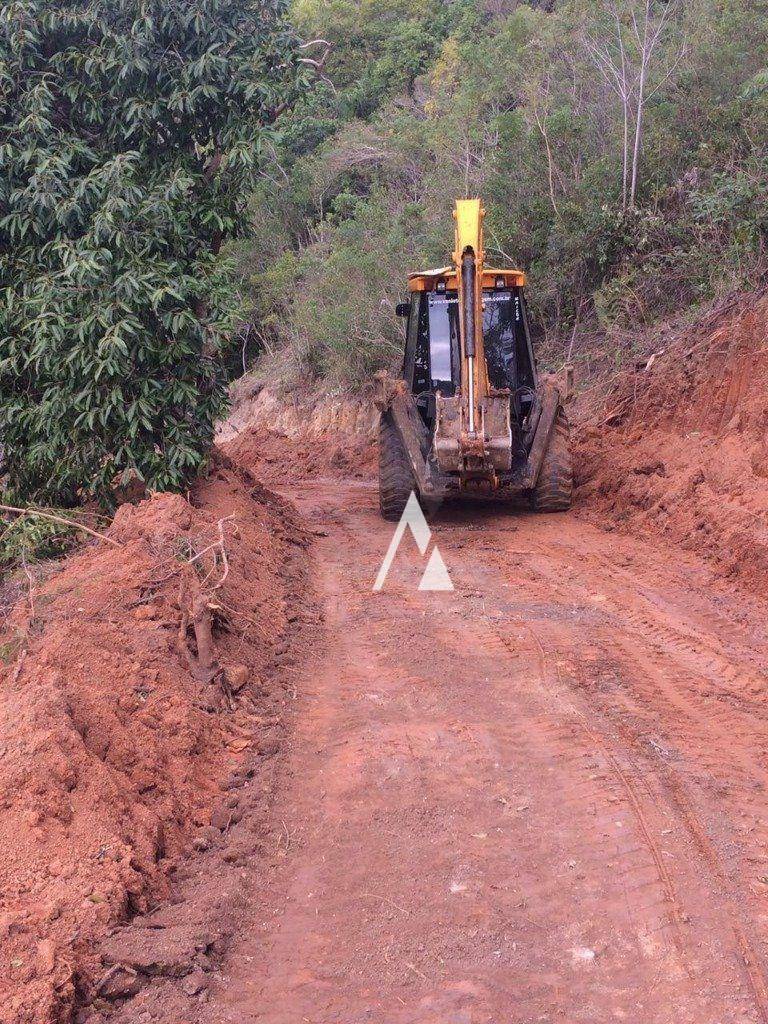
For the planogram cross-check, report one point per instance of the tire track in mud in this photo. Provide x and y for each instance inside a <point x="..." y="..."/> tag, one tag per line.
<point x="680" y="671"/>
<point x="698" y="656"/>
<point x="482" y="836"/>
<point x="685" y="813"/>
<point x="694" y="650"/>
<point x="630" y="791"/>
<point x="577" y="782"/>
<point x="682" y="802"/>
<point x="749" y="957"/>
<point x="699" y="673"/>
<point x="636" y="804"/>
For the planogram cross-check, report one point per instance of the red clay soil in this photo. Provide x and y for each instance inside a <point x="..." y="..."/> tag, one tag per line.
<point x="538" y="796"/>
<point x="282" y="460"/>
<point x="114" y="741"/>
<point x="680" y="450"/>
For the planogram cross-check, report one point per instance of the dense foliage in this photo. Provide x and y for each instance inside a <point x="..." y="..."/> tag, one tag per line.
<point x="621" y="148"/>
<point x="130" y="131"/>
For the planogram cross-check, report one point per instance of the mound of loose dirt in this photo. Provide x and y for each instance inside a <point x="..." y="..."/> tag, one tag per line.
<point x="283" y="459"/>
<point x="680" y="448"/>
<point x="131" y="683"/>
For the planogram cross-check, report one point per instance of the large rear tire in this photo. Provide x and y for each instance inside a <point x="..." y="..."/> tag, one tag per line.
<point x="554" y="489"/>
<point x="396" y="479"/>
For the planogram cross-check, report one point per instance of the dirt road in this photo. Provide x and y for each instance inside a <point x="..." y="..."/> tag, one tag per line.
<point x="539" y="797"/>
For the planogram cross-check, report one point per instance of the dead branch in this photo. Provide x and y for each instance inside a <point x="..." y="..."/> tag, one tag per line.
<point x="318" y="63"/>
<point x="59" y="519"/>
<point x="196" y="612"/>
<point x="582" y="304"/>
<point x="202" y="552"/>
<point x="540" y="118"/>
<point x="202" y="624"/>
<point x="283" y="173"/>
<point x="221" y="546"/>
<point x="496" y="247"/>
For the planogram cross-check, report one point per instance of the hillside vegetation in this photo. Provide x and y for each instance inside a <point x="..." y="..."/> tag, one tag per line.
<point x="129" y="140"/>
<point x="185" y="186"/>
<point x="620" y="149"/>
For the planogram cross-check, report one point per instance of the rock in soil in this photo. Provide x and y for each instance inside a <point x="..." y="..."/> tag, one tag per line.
<point x="194" y="983"/>
<point x="119" y="983"/>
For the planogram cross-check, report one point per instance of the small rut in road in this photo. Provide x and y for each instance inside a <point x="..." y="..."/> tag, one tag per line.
<point x="511" y="803"/>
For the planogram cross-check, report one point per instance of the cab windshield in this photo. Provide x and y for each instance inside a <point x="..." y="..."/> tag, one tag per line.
<point x="500" y="339"/>
<point x="433" y="361"/>
<point x="443" y="340"/>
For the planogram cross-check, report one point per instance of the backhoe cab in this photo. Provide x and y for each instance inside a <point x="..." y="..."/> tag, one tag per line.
<point x="470" y="417"/>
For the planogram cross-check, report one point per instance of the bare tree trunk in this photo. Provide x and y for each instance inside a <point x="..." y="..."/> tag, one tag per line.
<point x="647" y="44"/>
<point x="625" y="93"/>
<point x="550" y="162"/>
<point x="644" y="55"/>
<point x="616" y="74"/>
<point x="625" y="158"/>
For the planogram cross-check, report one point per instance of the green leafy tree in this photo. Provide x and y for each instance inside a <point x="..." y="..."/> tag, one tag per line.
<point x="620" y="148"/>
<point x="130" y="133"/>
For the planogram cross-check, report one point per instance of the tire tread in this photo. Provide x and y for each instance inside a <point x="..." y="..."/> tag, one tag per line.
<point x="395" y="474"/>
<point x="554" y="488"/>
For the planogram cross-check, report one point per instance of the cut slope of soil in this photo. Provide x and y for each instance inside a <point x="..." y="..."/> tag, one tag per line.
<point x="293" y="438"/>
<point x="680" y="449"/>
<point x="284" y="459"/>
<point x="115" y="732"/>
<point x="311" y="413"/>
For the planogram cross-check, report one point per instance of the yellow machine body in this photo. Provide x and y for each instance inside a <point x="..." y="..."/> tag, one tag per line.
<point x="470" y="417"/>
<point x="473" y="433"/>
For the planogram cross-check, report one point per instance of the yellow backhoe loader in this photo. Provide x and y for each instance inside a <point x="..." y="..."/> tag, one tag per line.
<point x="470" y="417"/>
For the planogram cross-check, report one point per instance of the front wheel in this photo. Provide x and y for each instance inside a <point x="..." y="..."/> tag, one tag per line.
<point x="396" y="481"/>
<point x="554" y="488"/>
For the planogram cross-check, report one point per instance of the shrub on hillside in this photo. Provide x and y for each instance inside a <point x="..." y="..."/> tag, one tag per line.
<point x="129" y="135"/>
